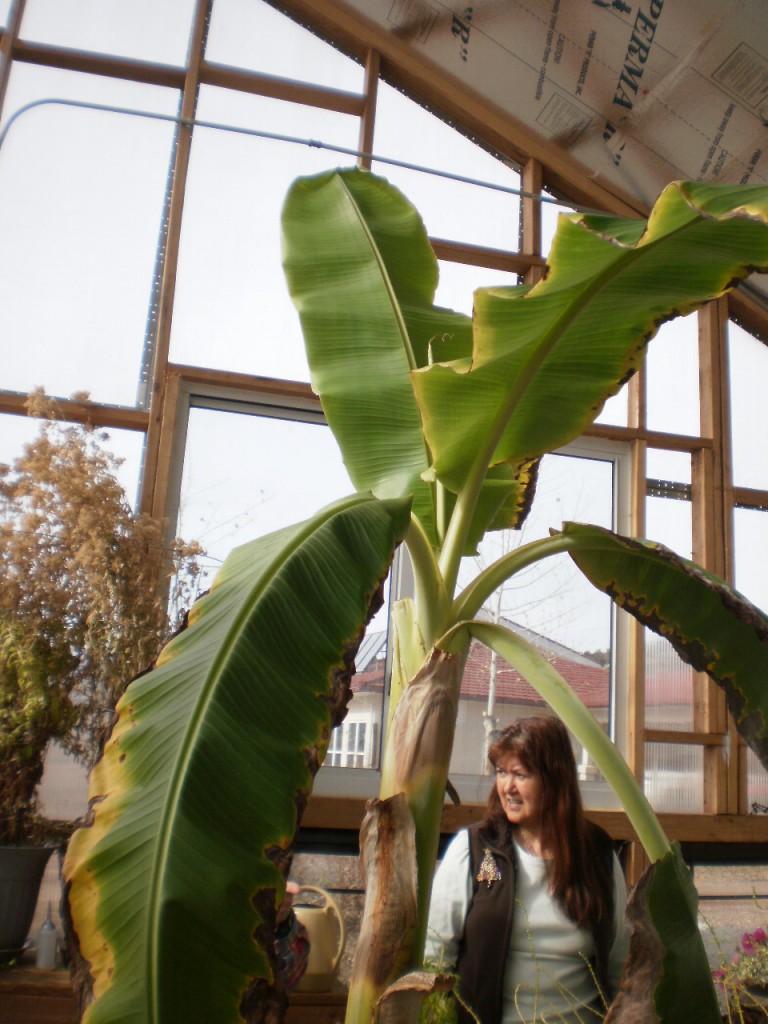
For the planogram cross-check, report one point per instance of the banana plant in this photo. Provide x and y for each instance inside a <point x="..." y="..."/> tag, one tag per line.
<point x="441" y="420"/>
<point x="456" y="413"/>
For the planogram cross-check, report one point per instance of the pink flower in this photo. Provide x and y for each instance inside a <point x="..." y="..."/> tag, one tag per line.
<point x="746" y="943"/>
<point x="759" y="936"/>
<point x="735" y="958"/>
<point x="718" y="976"/>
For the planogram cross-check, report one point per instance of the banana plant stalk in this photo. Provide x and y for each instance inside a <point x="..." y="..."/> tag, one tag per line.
<point x="442" y="420"/>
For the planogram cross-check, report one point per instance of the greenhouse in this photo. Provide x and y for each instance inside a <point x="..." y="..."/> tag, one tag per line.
<point x="155" y="297"/>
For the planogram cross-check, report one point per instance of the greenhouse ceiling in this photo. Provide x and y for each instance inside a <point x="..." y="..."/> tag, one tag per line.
<point x="630" y="94"/>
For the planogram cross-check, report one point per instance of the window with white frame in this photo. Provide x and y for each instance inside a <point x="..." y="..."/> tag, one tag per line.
<point x="293" y="467"/>
<point x="352" y="745"/>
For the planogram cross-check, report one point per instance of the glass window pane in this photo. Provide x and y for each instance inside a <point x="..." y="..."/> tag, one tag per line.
<point x="79" y="242"/>
<point x="550" y="214"/>
<point x="669" y="519"/>
<point x="5" y="10"/>
<point x="669" y="467"/>
<point x="673" y="377"/>
<point x="757" y="785"/>
<point x="674" y="777"/>
<point x="15" y="432"/>
<point x="668" y="686"/>
<point x="668" y="680"/>
<point x="253" y="35"/>
<point x="616" y="409"/>
<point x="550" y="604"/>
<point x="458" y="283"/>
<point x="748" y="368"/>
<point x="293" y="470"/>
<point x="63" y="797"/>
<point x="143" y="29"/>
<point x="750" y="528"/>
<point x="232" y="308"/>
<point x="450" y="209"/>
<point x="125" y="445"/>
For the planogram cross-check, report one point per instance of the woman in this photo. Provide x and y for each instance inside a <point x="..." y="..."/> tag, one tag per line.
<point x="529" y="904"/>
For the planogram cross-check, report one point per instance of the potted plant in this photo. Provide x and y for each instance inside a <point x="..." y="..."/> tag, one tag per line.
<point x="441" y="420"/>
<point x="743" y="980"/>
<point x="82" y="611"/>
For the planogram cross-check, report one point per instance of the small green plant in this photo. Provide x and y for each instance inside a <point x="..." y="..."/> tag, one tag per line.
<point x="439" y="1007"/>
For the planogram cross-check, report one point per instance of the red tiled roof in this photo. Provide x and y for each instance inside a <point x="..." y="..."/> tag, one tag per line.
<point x="588" y="679"/>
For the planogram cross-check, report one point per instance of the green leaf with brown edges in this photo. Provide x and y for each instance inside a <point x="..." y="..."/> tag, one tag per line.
<point x="667" y="976"/>
<point x="197" y="798"/>
<point x="710" y="625"/>
<point x="545" y="359"/>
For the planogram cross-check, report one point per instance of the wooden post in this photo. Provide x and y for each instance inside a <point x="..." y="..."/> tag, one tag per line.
<point x="168" y="288"/>
<point x="712" y="494"/>
<point x="368" y="119"/>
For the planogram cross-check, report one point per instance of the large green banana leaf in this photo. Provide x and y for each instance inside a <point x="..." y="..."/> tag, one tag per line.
<point x="209" y="766"/>
<point x="363" y="275"/>
<point x="545" y="359"/>
<point x="709" y="624"/>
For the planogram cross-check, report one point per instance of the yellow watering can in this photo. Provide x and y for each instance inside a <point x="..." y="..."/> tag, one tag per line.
<point x="327" y="935"/>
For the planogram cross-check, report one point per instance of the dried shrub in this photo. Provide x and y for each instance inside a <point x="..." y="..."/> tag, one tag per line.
<point x="88" y="595"/>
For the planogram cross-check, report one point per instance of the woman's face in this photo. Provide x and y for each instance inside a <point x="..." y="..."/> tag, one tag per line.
<point x="520" y="792"/>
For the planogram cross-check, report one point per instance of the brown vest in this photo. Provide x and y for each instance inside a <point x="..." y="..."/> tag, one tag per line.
<point x="484" y="947"/>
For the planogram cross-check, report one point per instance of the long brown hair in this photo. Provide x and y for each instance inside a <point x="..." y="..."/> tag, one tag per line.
<point x="543" y="746"/>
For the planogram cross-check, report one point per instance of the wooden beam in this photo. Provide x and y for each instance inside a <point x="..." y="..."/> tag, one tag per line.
<point x="712" y="538"/>
<point x="530" y="221"/>
<point x="8" y="40"/>
<point x="652" y="438"/>
<point x="97" y="64"/>
<point x="246" y="382"/>
<point x="405" y="68"/>
<point x="636" y="675"/>
<point x="692" y="738"/>
<point x="749" y="497"/>
<point x="73" y="411"/>
<point x="368" y="119"/>
<point x="715" y="423"/>
<point x="168" y="286"/>
<point x="169" y="426"/>
<point x="225" y="77"/>
<point x="346" y="813"/>
<point x="750" y="310"/>
<point x="481" y="256"/>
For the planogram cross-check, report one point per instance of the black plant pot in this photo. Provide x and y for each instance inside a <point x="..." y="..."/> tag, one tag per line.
<point x="21" y="872"/>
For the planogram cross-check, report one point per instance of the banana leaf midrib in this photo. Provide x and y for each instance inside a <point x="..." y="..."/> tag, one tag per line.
<point x="434" y="486"/>
<point x="389" y="289"/>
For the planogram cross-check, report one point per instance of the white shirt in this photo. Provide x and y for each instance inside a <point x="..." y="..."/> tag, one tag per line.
<point x="548" y="979"/>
